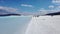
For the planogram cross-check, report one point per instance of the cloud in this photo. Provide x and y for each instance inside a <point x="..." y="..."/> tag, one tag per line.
<point x="7" y="10"/>
<point x="53" y="7"/>
<point x="50" y="6"/>
<point x="26" y="5"/>
<point x="43" y="11"/>
<point x="56" y="1"/>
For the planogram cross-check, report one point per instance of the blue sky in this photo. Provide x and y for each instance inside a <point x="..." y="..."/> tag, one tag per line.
<point x="37" y="4"/>
<point x="27" y="5"/>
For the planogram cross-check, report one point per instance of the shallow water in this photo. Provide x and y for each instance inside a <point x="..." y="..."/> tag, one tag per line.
<point x="14" y="24"/>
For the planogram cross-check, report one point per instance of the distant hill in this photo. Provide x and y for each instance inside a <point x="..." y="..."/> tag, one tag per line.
<point x="10" y="15"/>
<point x="55" y="13"/>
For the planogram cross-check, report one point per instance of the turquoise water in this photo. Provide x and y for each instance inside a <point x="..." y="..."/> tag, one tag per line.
<point x="14" y="24"/>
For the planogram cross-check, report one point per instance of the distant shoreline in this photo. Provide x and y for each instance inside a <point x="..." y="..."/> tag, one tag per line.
<point x="11" y="15"/>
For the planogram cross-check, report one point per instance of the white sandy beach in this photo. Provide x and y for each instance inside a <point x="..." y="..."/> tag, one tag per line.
<point x="44" y="25"/>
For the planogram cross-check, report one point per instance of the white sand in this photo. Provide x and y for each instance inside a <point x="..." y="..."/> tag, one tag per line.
<point x="44" y="25"/>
